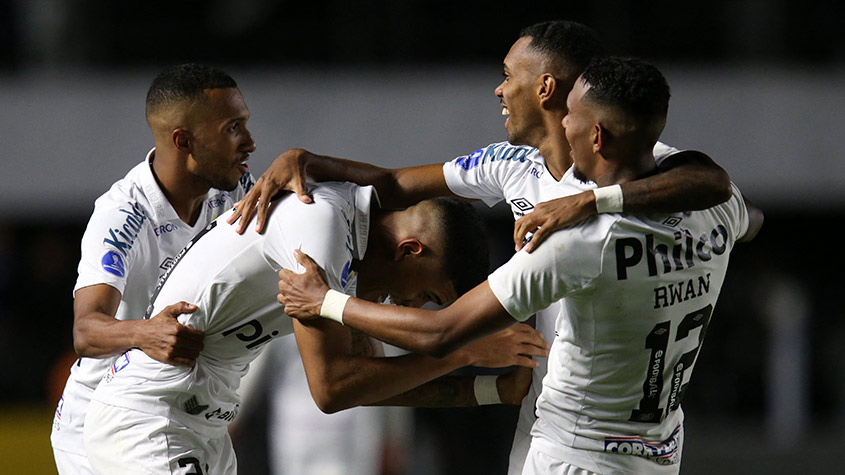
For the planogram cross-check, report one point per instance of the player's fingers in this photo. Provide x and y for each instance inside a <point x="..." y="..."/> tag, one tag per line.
<point x="531" y="336"/>
<point x="533" y="350"/>
<point x="525" y="361"/>
<point x="522" y="228"/>
<point x="538" y="237"/>
<point x="246" y="207"/>
<point x="236" y="213"/>
<point x="299" y="187"/>
<point x="181" y="361"/>
<point x="305" y="260"/>
<point x="190" y="335"/>
<point x="178" y="308"/>
<point x="263" y="207"/>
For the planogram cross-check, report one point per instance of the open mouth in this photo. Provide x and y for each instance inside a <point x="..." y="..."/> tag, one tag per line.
<point x="505" y="111"/>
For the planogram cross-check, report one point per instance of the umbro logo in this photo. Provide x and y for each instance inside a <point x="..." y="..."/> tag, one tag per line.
<point x="167" y="263"/>
<point x="522" y="204"/>
<point x="672" y="221"/>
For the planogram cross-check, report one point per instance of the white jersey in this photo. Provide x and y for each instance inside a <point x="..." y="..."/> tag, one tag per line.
<point x="132" y="238"/>
<point x="518" y="175"/>
<point x="233" y="280"/>
<point x="639" y="291"/>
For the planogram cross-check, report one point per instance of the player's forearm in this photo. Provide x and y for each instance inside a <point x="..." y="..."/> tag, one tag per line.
<point x="397" y="188"/>
<point x="445" y="391"/>
<point x="97" y="335"/>
<point x="687" y="181"/>
<point x="433" y="332"/>
<point x="349" y="381"/>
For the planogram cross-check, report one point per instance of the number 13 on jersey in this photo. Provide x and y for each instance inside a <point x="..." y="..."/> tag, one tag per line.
<point x="658" y="341"/>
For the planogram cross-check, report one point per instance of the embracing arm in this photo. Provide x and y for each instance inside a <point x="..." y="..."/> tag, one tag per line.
<point x="341" y="376"/>
<point x="459" y="391"/>
<point x="97" y="334"/>
<point x="434" y="332"/>
<point x="688" y="180"/>
<point x="397" y="188"/>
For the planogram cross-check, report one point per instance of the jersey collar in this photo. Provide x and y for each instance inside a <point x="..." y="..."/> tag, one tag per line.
<point x="364" y="197"/>
<point x="162" y="210"/>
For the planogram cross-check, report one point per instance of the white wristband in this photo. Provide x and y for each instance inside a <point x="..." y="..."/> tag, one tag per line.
<point x="609" y="199"/>
<point x="485" y="390"/>
<point x="333" y="304"/>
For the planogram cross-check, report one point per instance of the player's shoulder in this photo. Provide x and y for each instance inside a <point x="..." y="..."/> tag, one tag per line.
<point x="331" y="201"/>
<point x="126" y="197"/>
<point x="499" y="153"/>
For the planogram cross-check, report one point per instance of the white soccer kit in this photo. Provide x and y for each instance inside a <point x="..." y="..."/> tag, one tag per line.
<point x="233" y="280"/>
<point x="518" y="175"/>
<point x="639" y="291"/>
<point x="131" y="239"/>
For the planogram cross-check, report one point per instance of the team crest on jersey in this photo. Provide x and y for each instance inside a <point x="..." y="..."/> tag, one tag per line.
<point x="120" y="363"/>
<point x="59" y="408"/>
<point x="113" y="263"/>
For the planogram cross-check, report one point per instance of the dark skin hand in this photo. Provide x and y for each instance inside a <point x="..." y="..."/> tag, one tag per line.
<point x="97" y="334"/>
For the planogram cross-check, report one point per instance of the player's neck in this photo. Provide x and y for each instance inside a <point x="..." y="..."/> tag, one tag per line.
<point x="376" y="269"/>
<point x="183" y="190"/>
<point x="555" y="151"/>
<point x="616" y="172"/>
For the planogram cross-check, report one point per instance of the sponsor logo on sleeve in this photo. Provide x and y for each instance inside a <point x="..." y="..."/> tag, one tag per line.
<point x="470" y="161"/>
<point x="123" y="238"/>
<point x="113" y="263"/>
<point x="344" y="275"/>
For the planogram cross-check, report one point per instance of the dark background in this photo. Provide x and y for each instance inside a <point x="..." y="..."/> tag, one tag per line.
<point x="768" y="394"/>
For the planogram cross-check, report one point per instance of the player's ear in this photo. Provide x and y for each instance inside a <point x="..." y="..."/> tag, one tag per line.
<point x="597" y="137"/>
<point x="547" y="88"/>
<point x="408" y="247"/>
<point x="181" y="140"/>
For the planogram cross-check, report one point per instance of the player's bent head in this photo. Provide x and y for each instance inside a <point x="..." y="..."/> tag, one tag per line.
<point x="466" y="253"/>
<point x="570" y="46"/>
<point x="632" y="91"/>
<point x="183" y="84"/>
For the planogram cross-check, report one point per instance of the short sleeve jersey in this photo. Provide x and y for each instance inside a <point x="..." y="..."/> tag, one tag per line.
<point x="132" y="238"/>
<point x="233" y="280"/>
<point x="517" y="174"/>
<point x="639" y="291"/>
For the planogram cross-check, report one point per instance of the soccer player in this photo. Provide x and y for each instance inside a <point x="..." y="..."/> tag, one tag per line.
<point x="167" y="418"/>
<point x="638" y="292"/>
<point x="196" y="171"/>
<point x="529" y="171"/>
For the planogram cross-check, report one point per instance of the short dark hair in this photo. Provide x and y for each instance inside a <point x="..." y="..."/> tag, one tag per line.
<point x="572" y="43"/>
<point x="634" y="86"/>
<point x="185" y="82"/>
<point x="466" y="249"/>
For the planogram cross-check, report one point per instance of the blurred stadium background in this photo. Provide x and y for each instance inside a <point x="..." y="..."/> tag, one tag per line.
<point x="757" y="84"/>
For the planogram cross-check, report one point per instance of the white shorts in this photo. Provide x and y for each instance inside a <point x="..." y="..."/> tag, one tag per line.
<point x="538" y="463"/>
<point x="124" y="441"/>
<point x="69" y="463"/>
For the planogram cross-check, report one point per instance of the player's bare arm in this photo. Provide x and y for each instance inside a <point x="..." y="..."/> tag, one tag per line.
<point x="344" y="372"/>
<point x="97" y="334"/>
<point x="437" y="333"/>
<point x="458" y="391"/>
<point x="397" y="188"/>
<point x="687" y="181"/>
